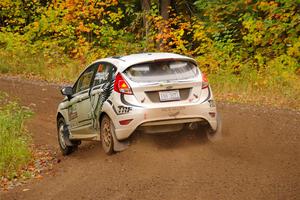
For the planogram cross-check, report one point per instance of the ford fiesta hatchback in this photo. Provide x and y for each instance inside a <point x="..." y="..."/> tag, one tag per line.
<point x="151" y="92"/>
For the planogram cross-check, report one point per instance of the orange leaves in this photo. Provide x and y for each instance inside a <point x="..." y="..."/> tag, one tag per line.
<point x="259" y="25"/>
<point x="36" y="24"/>
<point x="171" y="34"/>
<point x="74" y="23"/>
<point x="83" y="28"/>
<point x="269" y="7"/>
<point x="248" y="1"/>
<point x="86" y="10"/>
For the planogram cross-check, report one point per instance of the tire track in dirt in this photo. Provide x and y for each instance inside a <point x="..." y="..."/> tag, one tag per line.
<point x="258" y="158"/>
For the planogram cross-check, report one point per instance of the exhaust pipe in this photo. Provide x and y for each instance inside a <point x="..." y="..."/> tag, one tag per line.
<point x="193" y="126"/>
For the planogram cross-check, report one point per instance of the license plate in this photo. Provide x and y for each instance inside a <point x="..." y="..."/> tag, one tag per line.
<point x="171" y="95"/>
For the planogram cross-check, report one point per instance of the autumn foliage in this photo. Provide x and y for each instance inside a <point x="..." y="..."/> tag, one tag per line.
<point x="246" y="46"/>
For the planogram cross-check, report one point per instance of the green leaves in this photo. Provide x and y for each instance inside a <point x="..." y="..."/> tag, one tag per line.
<point x="243" y="40"/>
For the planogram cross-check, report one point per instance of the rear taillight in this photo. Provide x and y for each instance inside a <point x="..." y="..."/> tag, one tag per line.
<point x="205" y="83"/>
<point x="121" y="86"/>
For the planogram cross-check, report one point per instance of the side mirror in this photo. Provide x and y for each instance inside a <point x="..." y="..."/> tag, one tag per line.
<point x="67" y="91"/>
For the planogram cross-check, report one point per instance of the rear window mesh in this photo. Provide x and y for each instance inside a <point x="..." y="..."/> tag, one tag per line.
<point x="162" y="71"/>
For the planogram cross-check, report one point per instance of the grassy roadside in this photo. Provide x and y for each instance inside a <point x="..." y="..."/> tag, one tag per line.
<point x="54" y="68"/>
<point x="15" y="142"/>
<point x="275" y="86"/>
<point x="261" y="90"/>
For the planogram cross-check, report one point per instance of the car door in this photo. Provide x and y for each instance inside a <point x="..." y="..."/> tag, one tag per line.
<point x="80" y="110"/>
<point x="101" y="89"/>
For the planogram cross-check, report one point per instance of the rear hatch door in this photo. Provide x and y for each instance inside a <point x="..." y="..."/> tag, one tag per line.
<point x="161" y="82"/>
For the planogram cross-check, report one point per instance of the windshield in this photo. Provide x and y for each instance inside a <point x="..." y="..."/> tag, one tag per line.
<point x="162" y="71"/>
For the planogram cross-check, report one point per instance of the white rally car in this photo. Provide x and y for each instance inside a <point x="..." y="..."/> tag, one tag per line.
<point x="151" y="92"/>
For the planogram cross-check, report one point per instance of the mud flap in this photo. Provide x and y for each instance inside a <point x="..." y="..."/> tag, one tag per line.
<point x="66" y="136"/>
<point x="119" y="145"/>
<point x="216" y="135"/>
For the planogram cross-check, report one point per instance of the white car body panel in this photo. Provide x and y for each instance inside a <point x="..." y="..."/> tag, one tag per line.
<point x="141" y="107"/>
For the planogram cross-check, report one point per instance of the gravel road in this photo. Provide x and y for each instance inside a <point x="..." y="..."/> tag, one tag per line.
<point x="258" y="158"/>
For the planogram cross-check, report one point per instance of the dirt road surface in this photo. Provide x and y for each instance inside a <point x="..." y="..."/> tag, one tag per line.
<point x="258" y="158"/>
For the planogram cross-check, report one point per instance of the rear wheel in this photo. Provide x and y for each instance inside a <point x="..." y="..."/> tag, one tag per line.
<point x="63" y="144"/>
<point x="107" y="129"/>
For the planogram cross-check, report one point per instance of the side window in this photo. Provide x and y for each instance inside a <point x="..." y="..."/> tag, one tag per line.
<point x="84" y="81"/>
<point x="101" y="74"/>
<point x="104" y="73"/>
<point x="111" y="72"/>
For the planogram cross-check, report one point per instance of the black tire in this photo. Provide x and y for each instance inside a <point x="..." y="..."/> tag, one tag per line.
<point x="106" y="137"/>
<point x="64" y="148"/>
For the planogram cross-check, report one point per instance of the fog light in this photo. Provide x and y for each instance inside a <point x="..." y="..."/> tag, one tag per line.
<point x="125" y="122"/>
<point x="212" y="114"/>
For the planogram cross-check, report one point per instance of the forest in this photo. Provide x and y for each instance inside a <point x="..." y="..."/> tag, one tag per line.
<point x="250" y="49"/>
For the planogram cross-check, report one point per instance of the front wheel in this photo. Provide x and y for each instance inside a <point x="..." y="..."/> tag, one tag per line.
<point x="106" y="132"/>
<point x="63" y="144"/>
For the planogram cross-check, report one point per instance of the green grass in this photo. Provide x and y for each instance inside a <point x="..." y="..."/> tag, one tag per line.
<point x="275" y="84"/>
<point x="258" y="89"/>
<point x="38" y="65"/>
<point x="14" y="140"/>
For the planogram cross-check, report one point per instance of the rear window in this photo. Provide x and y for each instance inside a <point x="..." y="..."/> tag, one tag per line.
<point x="162" y="71"/>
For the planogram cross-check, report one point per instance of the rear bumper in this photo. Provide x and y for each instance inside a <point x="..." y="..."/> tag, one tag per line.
<point x="142" y="116"/>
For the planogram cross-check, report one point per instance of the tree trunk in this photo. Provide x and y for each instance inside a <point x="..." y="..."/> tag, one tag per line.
<point x="145" y="5"/>
<point x="145" y="9"/>
<point x="164" y="12"/>
<point x="164" y="8"/>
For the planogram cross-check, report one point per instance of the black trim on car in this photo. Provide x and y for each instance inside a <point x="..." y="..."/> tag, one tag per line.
<point x="123" y="100"/>
<point x="114" y="108"/>
<point x="85" y="120"/>
<point x="208" y="96"/>
<point x="82" y="125"/>
<point x="82" y="92"/>
<point x="96" y="87"/>
<point x="119" y="58"/>
<point x="109" y="101"/>
<point x="84" y="98"/>
<point x="79" y="93"/>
